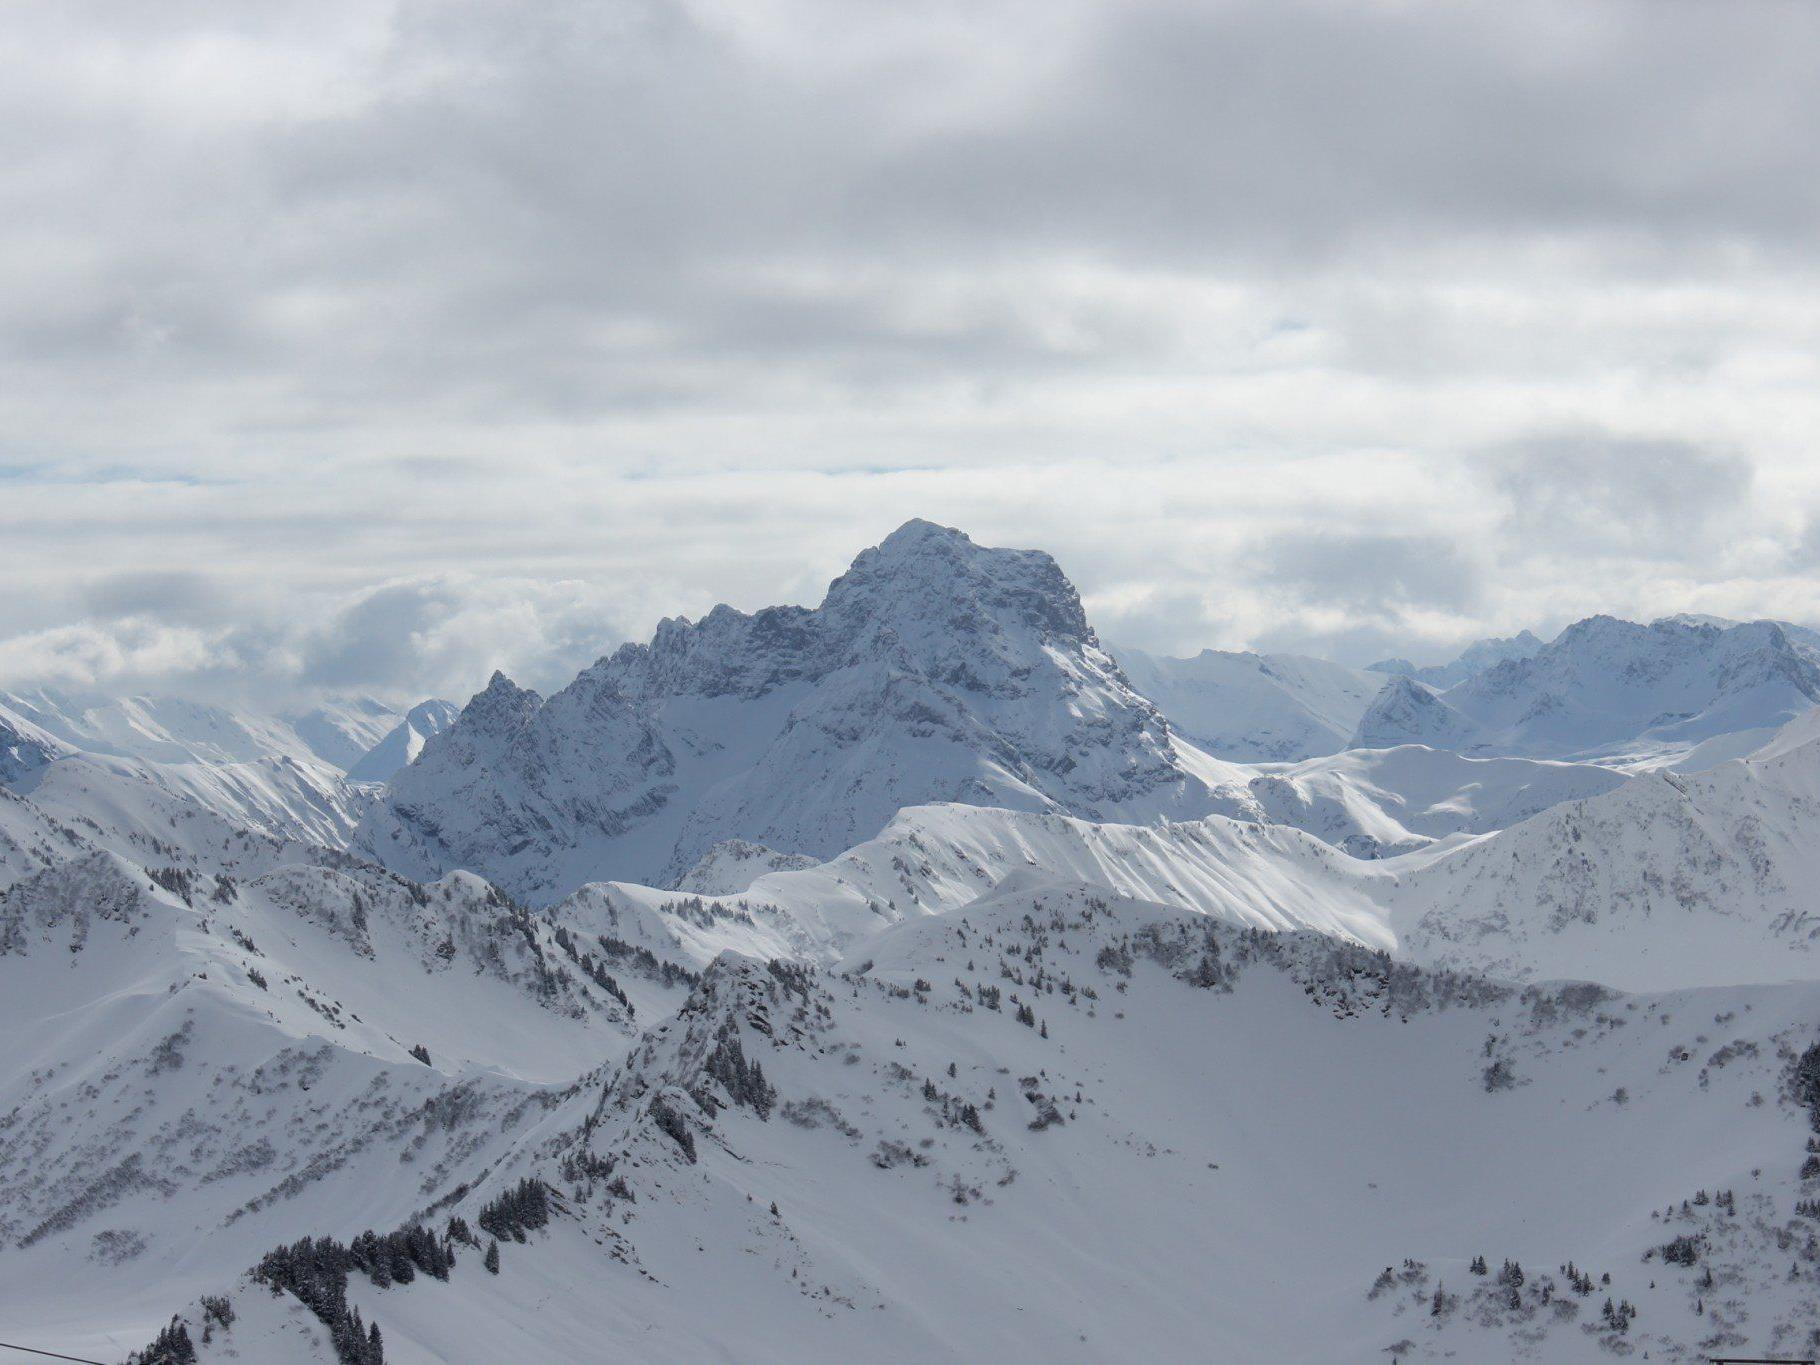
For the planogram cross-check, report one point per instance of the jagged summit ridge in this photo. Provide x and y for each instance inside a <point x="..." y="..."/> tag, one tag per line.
<point x="1607" y="686"/>
<point x="934" y="669"/>
<point x="926" y="598"/>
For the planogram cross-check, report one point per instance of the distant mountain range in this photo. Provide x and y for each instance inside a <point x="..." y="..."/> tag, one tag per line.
<point x="911" y="977"/>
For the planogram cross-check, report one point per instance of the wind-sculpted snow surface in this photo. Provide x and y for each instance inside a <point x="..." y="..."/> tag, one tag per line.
<point x="1054" y="1125"/>
<point x="934" y="670"/>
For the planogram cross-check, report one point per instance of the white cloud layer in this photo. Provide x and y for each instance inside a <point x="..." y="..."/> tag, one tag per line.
<point x="367" y="346"/>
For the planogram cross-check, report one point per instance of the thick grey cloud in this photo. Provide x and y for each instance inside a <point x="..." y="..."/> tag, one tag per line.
<point x="432" y="636"/>
<point x="1622" y="496"/>
<point x="1364" y="571"/>
<point x="325" y="327"/>
<point x="174" y="595"/>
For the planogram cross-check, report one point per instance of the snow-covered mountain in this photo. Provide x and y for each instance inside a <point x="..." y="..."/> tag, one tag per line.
<point x="404" y="741"/>
<point x="1472" y="661"/>
<point x="1606" y="687"/>
<point x="1409" y="712"/>
<point x="278" y="776"/>
<point x="284" y="798"/>
<point x="894" y="980"/>
<point x="1254" y="708"/>
<point x="732" y="865"/>
<point x="24" y="749"/>
<point x="935" y="669"/>
<point x="931" y="860"/>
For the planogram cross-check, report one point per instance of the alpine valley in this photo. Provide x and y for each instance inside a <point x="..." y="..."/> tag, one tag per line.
<point x="915" y="976"/>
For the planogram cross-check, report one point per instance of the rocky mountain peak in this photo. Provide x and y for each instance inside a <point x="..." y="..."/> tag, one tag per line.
<point x="924" y="575"/>
<point x="935" y="669"/>
<point x="501" y="705"/>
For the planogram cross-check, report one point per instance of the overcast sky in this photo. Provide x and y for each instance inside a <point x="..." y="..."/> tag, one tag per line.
<point x="366" y="347"/>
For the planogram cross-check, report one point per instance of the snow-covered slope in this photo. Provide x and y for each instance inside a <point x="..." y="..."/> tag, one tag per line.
<point x="891" y="980"/>
<point x="278" y="777"/>
<point x="32" y="839"/>
<point x="932" y="859"/>
<point x="934" y="669"/>
<point x="341" y="731"/>
<point x="202" y="1064"/>
<point x="732" y="865"/>
<point x="1254" y="708"/>
<point x="284" y="798"/>
<point x="24" y="749"/>
<point x="1373" y="802"/>
<point x="404" y="741"/>
<point x="1668" y="880"/>
<point x="1056" y="1126"/>
<point x="175" y="730"/>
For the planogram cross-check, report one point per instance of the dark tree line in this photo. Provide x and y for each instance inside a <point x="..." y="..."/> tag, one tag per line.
<point x="315" y="1270"/>
<point x="523" y="1208"/>
<point x="744" y="1080"/>
<point x="646" y="963"/>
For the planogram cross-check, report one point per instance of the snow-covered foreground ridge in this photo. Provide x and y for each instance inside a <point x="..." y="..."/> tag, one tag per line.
<point x="894" y="980"/>
<point x="1062" y="1125"/>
